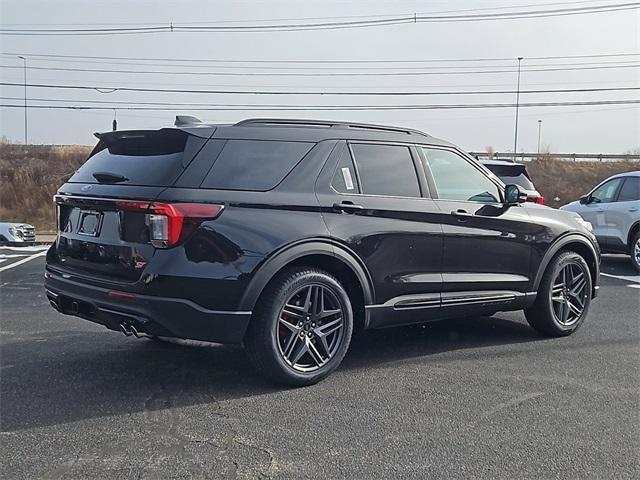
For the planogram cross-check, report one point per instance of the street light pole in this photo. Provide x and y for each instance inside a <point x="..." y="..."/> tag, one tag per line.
<point x="25" y="97"/>
<point x="515" y="140"/>
<point x="539" y="132"/>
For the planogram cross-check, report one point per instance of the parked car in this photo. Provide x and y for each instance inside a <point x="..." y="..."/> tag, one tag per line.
<point x="613" y="208"/>
<point x="17" y="234"/>
<point x="515" y="173"/>
<point x="285" y="235"/>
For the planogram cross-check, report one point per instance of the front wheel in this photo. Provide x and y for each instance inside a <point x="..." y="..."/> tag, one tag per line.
<point x="563" y="298"/>
<point x="301" y="327"/>
<point x="635" y="251"/>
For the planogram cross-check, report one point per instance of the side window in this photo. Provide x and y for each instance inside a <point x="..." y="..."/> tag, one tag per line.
<point x="345" y="180"/>
<point x="386" y="170"/>
<point x="254" y="164"/>
<point x="630" y="190"/>
<point x="606" y="192"/>
<point x="457" y="179"/>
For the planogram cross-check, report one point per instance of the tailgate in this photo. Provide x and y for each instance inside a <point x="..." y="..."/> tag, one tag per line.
<point x="99" y="239"/>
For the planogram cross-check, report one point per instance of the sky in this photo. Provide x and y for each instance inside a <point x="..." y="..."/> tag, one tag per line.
<point x="409" y="57"/>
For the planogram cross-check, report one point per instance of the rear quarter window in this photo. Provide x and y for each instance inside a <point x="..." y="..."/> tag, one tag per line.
<point x="254" y="164"/>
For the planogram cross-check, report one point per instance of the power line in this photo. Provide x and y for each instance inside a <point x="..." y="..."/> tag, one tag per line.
<point x="283" y="27"/>
<point x="324" y="67"/>
<point x="196" y="104"/>
<point x="318" y="74"/>
<point x="224" y="107"/>
<point x="287" y="92"/>
<point x="506" y="7"/>
<point x="352" y="61"/>
<point x="394" y="86"/>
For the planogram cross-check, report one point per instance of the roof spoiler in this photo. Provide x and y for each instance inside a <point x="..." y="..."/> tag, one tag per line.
<point x="186" y="121"/>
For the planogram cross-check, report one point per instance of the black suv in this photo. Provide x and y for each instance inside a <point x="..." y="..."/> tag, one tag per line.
<point x="286" y="235"/>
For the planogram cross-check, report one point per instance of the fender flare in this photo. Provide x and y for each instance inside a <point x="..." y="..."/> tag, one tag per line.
<point x="636" y="225"/>
<point x="557" y="246"/>
<point x="270" y="267"/>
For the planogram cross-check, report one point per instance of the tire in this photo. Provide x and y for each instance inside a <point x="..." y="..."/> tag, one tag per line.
<point x="634" y="251"/>
<point x="302" y="311"/>
<point x="565" y="288"/>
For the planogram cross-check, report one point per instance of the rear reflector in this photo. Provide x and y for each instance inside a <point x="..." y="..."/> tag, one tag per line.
<point x="171" y="223"/>
<point x="120" y="295"/>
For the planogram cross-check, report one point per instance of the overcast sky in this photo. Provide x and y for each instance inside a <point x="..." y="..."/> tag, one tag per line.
<point x="598" y="129"/>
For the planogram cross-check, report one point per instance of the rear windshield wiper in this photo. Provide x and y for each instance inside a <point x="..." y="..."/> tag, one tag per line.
<point x="108" y="177"/>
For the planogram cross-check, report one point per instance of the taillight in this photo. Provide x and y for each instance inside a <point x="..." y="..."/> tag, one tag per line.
<point x="170" y="223"/>
<point x="539" y="200"/>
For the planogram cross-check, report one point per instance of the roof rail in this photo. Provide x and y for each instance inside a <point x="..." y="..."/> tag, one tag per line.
<point x="326" y="123"/>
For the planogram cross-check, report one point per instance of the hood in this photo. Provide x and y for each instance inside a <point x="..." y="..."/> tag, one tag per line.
<point x="15" y="225"/>
<point x="570" y="205"/>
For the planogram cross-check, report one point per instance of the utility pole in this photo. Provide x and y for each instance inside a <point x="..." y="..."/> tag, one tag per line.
<point x="539" y="133"/>
<point x="515" y="140"/>
<point x="25" y="97"/>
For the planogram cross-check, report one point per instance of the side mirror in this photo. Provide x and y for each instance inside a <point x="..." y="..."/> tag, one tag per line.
<point x="584" y="199"/>
<point x="514" y="195"/>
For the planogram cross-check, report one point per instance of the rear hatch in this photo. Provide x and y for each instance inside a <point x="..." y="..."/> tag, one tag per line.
<point x="105" y="216"/>
<point x="516" y="174"/>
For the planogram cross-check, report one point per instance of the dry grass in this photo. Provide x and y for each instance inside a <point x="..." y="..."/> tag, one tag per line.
<point x="31" y="174"/>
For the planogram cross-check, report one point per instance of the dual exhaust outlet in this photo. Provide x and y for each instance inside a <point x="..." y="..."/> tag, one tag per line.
<point x="129" y="330"/>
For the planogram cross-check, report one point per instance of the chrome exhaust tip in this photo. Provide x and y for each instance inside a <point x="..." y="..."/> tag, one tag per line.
<point x="125" y="329"/>
<point x="129" y="330"/>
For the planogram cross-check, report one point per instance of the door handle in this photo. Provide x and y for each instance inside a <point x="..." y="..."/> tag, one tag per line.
<point x="461" y="214"/>
<point x="634" y="209"/>
<point x="347" y="206"/>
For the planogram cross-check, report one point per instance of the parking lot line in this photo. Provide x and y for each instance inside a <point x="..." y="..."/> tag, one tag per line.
<point x="634" y="279"/>
<point x="24" y="260"/>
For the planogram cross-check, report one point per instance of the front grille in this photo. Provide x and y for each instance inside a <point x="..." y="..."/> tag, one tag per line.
<point x="28" y="234"/>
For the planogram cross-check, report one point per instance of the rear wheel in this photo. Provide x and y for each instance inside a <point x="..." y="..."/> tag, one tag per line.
<point x="635" y="251"/>
<point x="301" y="327"/>
<point x="563" y="297"/>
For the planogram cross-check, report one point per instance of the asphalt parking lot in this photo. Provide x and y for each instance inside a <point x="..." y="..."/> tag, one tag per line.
<point x="476" y="397"/>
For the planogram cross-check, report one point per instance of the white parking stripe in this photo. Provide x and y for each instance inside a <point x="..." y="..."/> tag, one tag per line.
<point x="24" y="260"/>
<point x="634" y="279"/>
<point x="30" y="248"/>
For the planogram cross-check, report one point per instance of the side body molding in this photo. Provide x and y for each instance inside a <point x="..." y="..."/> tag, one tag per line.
<point x="288" y="254"/>
<point x="594" y="261"/>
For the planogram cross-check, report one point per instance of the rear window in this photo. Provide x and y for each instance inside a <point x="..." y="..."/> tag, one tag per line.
<point x="630" y="190"/>
<point x="512" y="174"/>
<point x="254" y="164"/>
<point x="149" y="158"/>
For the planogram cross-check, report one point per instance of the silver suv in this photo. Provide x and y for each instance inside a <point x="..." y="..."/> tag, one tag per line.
<point x="613" y="208"/>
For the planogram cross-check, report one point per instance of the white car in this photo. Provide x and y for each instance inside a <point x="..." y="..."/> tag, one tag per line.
<point x="613" y="208"/>
<point x="17" y="234"/>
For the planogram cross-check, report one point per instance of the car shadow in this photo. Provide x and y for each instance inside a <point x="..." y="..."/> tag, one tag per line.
<point x="615" y="264"/>
<point x="59" y="377"/>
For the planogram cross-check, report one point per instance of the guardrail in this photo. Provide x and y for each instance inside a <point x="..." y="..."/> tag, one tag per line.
<point x="576" y="157"/>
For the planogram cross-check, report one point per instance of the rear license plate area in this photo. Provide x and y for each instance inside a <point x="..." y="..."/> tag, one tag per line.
<point x="89" y="223"/>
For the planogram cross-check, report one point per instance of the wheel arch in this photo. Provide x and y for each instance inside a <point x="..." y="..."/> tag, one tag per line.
<point x="572" y="242"/>
<point x="323" y="254"/>
<point x="632" y="233"/>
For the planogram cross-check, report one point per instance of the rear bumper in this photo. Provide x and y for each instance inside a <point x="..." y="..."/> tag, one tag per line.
<point x="158" y="316"/>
